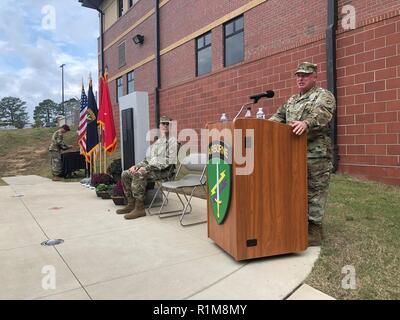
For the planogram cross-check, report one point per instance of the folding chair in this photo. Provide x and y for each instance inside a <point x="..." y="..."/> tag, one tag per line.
<point x="157" y="184"/>
<point x="196" y="164"/>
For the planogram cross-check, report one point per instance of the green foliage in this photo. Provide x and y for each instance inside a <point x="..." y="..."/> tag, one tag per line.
<point x="13" y="112"/>
<point x="45" y="114"/>
<point x="104" y="187"/>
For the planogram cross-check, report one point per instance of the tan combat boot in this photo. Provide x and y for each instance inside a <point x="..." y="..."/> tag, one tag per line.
<point x="314" y="234"/>
<point x="128" y="208"/>
<point x="138" y="212"/>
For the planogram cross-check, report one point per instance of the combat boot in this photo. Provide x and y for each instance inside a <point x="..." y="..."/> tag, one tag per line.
<point x="128" y="208"/>
<point x="138" y="212"/>
<point x="314" y="234"/>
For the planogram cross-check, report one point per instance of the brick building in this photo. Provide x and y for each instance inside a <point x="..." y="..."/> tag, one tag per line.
<point x="214" y="54"/>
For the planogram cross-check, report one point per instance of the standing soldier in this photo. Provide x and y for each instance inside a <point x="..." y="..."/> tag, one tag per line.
<point x="156" y="166"/>
<point x="55" y="148"/>
<point x="311" y="111"/>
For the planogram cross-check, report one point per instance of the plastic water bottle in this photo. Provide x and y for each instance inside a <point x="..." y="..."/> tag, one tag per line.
<point x="260" y="114"/>
<point x="248" y="113"/>
<point x="224" y="118"/>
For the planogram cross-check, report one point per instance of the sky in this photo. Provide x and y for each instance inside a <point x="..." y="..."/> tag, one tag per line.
<point x="36" y="38"/>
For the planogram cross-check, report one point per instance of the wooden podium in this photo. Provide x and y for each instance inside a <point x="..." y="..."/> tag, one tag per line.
<point x="267" y="213"/>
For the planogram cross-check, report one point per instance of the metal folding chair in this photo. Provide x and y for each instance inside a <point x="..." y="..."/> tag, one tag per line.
<point x="196" y="165"/>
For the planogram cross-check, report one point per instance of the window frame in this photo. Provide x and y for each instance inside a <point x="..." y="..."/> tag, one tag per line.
<point x="120" y="8"/>
<point x="117" y="87"/>
<point x="127" y="81"/>
<point x="234" y="33"/>
<point x="205" y="46"/>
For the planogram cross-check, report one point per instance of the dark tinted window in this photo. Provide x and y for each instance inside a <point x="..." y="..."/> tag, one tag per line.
<point x="131" y="82"/>
<point x="203" y="54"/>
<point x="234" y="41"/>
<point x="119" y="88"/>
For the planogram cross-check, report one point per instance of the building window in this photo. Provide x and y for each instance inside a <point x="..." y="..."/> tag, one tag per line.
<point x="234" y="41"/>
<point x="131" y="82"/>
<point x="119" y="88"/>
<point x="203" y="54"/>
<point x="121" y="55"/>
<point x="130" y="3"/>
<point x="120" y="8"/>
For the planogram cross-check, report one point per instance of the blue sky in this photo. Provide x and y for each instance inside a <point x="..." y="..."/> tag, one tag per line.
<point x="36" y="37"/>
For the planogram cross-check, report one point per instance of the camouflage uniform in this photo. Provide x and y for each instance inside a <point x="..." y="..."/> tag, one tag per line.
<point x="316" y="108"/>
<point x="157" y="165"/>
<point x="56" y="146"/>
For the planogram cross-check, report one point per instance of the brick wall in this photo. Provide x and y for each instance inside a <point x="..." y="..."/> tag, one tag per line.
<point x="368" y="68"/>
<point x="368" y="71"/>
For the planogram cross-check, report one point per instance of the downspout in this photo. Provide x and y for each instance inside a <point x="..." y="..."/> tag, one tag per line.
<point x="101" y="13"/>
<point x="101" y="39"/>
<point x="158" y="70"/>
<point x="331" y="73"/>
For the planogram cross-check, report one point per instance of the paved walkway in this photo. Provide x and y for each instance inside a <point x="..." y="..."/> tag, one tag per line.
<point x="105" y="256"/>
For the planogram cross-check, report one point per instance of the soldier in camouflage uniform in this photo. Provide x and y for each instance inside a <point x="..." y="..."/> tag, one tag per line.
<point x="311" y="111"/>
<point x="156" y="166"/>
<point x="56" y="146"/>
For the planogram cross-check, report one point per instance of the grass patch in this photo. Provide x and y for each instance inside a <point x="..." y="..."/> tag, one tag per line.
<point x="362" y="229"/>
<point x="25" y="152"/>
<point x="3" y="183"/>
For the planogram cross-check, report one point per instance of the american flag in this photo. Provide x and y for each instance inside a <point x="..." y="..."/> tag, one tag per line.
<point x="82" y="123"/>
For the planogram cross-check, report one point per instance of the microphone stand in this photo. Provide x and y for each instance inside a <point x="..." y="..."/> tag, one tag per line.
<point x="241" y="109"/>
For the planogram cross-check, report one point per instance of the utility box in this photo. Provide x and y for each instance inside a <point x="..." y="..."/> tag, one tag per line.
<point x="134" y="124"/>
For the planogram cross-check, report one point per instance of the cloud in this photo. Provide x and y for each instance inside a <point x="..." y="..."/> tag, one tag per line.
<point x="36" y="37"/>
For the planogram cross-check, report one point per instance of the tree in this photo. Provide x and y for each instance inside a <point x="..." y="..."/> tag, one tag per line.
<point x="13" y="112"/>
<point x="45" y="114"/>
<point x="72" y="108"/>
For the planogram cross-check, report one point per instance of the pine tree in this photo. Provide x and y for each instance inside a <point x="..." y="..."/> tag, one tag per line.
<point x="13" y="112"/>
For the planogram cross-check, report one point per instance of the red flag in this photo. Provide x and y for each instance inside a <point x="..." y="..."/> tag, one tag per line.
<point x="106" y="118"/>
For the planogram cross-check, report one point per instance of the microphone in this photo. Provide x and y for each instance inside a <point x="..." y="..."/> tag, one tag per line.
<point x="266" y="94"/>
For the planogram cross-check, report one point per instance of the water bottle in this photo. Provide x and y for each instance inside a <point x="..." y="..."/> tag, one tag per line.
<point x="260" y="114"/>
<point x="224" y="118"/>
<point x="248" y="113"/>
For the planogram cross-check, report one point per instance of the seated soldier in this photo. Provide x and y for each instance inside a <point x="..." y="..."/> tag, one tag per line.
<point x="156" y="166"/>
<point x="56" y="146"/>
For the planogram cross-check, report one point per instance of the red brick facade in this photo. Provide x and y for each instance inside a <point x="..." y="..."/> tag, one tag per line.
<point x="277" y="37"/>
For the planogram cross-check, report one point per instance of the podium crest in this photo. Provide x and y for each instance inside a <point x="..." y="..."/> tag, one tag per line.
<point x="219" y="178"/>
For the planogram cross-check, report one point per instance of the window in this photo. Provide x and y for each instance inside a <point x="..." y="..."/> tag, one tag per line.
<point x="131" y="82"/>
<point x="120" y="8"/>
<point x="121" y="55"/>
<point x="119" y="88"/>
<point x="234" y="41"/>
<point x="131" y="3"/>
<point x="203" y="54"/>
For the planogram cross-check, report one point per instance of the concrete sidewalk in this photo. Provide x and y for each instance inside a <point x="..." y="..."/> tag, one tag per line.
<point x="105" y="256"/>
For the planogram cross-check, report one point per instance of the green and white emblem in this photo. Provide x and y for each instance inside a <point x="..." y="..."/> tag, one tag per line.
<point x="219" y="178"/>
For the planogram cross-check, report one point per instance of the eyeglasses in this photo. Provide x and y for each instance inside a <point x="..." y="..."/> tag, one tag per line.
<point x="165" y="123"/>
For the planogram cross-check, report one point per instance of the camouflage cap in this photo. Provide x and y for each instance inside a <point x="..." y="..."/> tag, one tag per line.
<point x="306" y="67"/>
<point x="165" y="119"/>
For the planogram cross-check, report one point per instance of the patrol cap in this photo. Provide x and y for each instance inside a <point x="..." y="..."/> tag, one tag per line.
<point x="306" y="67"/>
<point x="165" y="119"/>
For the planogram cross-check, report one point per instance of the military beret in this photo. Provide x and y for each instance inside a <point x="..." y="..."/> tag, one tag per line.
<point x="306" y="67"/>
<point x="165" y="119"/>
